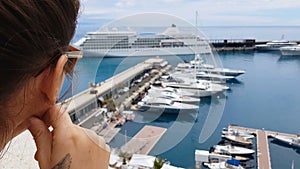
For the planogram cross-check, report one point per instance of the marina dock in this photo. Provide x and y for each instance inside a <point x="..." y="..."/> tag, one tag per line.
<point x="144" y="140"/>
<point x="109" y="132"/>
<point x="263" y="152"/>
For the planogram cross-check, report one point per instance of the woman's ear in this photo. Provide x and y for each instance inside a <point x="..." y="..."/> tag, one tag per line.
<point x="52" y="80"/>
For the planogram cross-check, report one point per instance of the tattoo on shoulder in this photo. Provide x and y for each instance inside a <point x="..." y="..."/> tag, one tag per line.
<point x="65" y="163"/>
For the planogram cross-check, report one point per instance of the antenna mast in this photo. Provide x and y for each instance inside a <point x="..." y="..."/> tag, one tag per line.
<point x="196" y="19"/>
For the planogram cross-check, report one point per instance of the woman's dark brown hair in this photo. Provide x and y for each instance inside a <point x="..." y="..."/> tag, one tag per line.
<point x="33" y="34"/>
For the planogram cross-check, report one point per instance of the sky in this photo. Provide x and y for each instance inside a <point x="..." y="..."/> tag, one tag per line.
<point x="210" y="12"/>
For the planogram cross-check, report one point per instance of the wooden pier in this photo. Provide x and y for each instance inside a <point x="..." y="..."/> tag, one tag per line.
<point x="263" y="152"/>
<point x="144" y="140"/>
<point x="109" y="132"/>
<point x="236" y="44"/>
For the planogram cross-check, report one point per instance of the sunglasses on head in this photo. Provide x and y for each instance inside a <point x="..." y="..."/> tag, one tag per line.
<point x="73" y="55"/>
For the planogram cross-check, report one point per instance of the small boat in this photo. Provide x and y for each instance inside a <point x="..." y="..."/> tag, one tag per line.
<point x="290" y="50"/>
<point x="240" y="158"/>
<point x="165" y="105"/>
<point x="275" y="45"/>
<point x="229" y="164"/>
<point x="121" y="122"/>
<point x="244" y="134"/>
<point x="233" y="150"/>
<point x="240" y="132"/>
<point x="129" y="115"/>
<point x="238" y="139"/>
<point x="291" y="141"/>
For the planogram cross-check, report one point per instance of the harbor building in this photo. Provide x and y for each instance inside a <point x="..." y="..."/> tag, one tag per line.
<point x="113" y="92"/>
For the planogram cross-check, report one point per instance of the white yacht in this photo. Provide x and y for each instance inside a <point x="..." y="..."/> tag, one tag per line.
<point x="233" y="150"/>
<point x="207" y="68"/>
<point x="199" y="74"/>
<point x="240" y="132"/>
<point x="165" y="105"/>
<point x="173" y="96"/>
<point x="158" y="86"/>
<point x="198" y="89"/>
<point x="229" y="164"/>
<point x="241" y="140"/>
<point x="295" y="142"/>
<point x="210" y="76"/>
<point x="290" y="50"/>
<point x="275" y="45"/>
<point x="116" y="43"/>
<point x="244" y="134"/>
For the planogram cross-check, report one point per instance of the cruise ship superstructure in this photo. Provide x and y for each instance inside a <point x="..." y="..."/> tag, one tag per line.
<point x="115" y="43"/>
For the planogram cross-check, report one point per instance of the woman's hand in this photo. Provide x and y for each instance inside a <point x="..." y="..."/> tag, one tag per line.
<point x="67" y="145"/>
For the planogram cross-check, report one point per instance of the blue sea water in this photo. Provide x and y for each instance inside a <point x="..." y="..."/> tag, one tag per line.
<point x="267" y="96"/>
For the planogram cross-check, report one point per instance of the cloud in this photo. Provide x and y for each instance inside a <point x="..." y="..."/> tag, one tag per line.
<point x="212" y="12"/>
<point x="125" y="3"/>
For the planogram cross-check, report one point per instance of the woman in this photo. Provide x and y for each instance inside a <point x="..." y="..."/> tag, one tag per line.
<point x="34" y="38"/>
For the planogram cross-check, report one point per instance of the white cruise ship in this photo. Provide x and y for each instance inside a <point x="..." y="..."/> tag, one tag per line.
<point x="114" y="43"/>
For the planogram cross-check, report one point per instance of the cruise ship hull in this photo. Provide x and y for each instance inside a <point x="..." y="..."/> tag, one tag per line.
<point x="171" y="51"/>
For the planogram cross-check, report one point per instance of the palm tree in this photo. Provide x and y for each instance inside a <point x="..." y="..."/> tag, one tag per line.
<point x="125" y="156"/>
<point x="158" y="163"/>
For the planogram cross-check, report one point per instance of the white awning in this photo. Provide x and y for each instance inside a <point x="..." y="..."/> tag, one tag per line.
<point x="142" y="160"/>
<point x="166" y="166"/>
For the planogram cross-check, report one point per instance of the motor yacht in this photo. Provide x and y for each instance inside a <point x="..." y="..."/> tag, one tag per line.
<point x="240" y="133"/>
<point x="291" y="141"/>
<point x="165" y="105"/>
<point x="173" y="96"/>
<point x="158" y="86"/>
<point x="210" y="69"/>
<point x="211" y="76"/>
<point x="229" y="164"/>
<point x="233" y="150"/>
<point x="242" y="140"/>
<point x="290" y="50"/>
<point x="199" y="88"/>
<point x="275" y="45"/>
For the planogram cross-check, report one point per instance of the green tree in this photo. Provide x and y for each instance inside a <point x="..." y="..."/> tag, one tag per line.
<point x="158" y="163"/>
<point x="125" y="156"/>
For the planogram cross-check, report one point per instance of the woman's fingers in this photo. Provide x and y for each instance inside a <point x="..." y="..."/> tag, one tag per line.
<point x="43" y="141"/>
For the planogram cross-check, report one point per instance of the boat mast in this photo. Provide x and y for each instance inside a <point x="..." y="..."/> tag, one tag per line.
<point x="196" y="57"/>
<point x="196" y="20"/>
<point x="125" y="137"/>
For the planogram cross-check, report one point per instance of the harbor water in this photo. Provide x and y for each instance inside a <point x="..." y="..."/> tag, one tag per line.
<point x="267" y="96"/>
